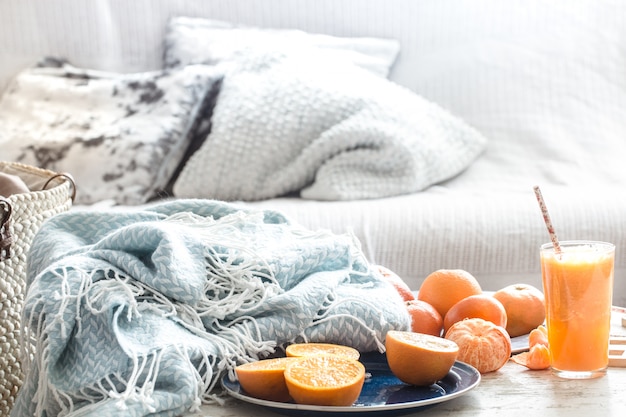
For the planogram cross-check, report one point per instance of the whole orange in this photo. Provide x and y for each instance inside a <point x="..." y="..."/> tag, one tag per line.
<point x="483" y="306"/>
<point x="397" y="283"/>
<point x="525" y="308"/>
<point x="424" y="318"/>
<point x="482" y="344"/>
<point x="445" y="287"/>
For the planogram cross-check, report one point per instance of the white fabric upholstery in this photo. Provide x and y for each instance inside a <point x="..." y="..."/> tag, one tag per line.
<point x="191" y="40"/>
<point x="496" y="237"/>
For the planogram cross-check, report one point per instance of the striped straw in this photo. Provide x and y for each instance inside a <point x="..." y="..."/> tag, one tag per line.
<point x="546" y="219"/>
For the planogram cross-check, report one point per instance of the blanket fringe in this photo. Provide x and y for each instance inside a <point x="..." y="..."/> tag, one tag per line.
<point x="239" y="279"/>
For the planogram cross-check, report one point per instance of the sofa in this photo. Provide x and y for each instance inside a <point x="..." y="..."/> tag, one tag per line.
<point x="418" y="128"/>
<point x="542" y="86"/>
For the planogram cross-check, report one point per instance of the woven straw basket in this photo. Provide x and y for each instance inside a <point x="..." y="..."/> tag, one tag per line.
<point x="21" y="216"/>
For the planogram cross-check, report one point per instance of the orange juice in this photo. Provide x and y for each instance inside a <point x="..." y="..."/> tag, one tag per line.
<point x="578" y="287"/>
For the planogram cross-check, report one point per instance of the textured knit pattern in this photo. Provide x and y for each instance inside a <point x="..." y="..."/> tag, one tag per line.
<point x="142" y="312"/>
<point x="289" y="121"/>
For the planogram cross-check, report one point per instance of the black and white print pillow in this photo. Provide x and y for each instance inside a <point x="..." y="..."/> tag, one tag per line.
<point x="122" y="136"/>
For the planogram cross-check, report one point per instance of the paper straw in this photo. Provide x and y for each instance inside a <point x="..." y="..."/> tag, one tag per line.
<point x="546" y="219"/>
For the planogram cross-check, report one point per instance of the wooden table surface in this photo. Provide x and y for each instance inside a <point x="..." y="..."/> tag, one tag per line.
<point x="511" y="391"/>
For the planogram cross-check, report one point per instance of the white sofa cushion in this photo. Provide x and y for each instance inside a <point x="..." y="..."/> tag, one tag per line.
<point x="208" y="41"/>
<point x="545" y="83"/>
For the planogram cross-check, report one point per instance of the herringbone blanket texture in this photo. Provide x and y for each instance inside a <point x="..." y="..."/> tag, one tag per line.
<point x="142" y="312"/>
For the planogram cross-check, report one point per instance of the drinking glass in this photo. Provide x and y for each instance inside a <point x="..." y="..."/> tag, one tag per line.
<point x="578" y="289"/>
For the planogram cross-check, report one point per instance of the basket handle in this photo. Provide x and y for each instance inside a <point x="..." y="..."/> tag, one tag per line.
<point x="68" y="177"/>
<point x="6" y="240"/>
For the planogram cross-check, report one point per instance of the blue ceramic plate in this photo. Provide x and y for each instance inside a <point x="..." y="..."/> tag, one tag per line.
<point x="382" y="394"/>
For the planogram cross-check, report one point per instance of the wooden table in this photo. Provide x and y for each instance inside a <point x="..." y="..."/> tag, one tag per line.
<point x="511" y="391"/>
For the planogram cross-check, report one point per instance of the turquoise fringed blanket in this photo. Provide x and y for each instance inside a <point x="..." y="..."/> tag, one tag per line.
<point x="141" y="313"/>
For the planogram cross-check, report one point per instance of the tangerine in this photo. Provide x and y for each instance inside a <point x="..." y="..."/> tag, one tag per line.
<point x="401" y="287"/>
<point x="265" y="379"/>
<point x="419" y="359"/>
<point x="482" y="344"/>
<point x="325" y="380"/>
<point x="525" y="307"/>
<point x="483" y="306"/>
<point x="445" y="287"/>
<point x="538" y="357"/>
<point x="311" y="349"/>
<point x="538" y="336"/>
<point x="424" y="318"/>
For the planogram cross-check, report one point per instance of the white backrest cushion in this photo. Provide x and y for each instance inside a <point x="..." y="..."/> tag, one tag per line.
<point x="191" y="40"/>
<point x="545" y="82"/>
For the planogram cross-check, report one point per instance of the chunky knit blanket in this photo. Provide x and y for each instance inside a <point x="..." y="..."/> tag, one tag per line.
<point x="142" y="312"/>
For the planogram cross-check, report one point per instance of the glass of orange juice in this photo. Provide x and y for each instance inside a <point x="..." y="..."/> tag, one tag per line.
<point x="578" y="288"/>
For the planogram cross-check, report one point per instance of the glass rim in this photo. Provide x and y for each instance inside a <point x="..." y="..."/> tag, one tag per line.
<point x="569" y="243"/>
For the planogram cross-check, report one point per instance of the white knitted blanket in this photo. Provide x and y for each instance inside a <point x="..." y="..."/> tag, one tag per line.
<point x="289" y="121"/>
<point x="140" y="313"/>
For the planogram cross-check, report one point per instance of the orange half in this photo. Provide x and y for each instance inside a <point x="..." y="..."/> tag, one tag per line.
<point x="265" y="379"/>
<point x="325" y="380"/>
<point x="311" y="349"/>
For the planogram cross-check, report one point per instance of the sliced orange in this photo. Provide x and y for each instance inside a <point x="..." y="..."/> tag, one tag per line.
<point x="265" y="379"/>
<point x="419" y="359"/>
<point x="311" y="349"/>
<point x="327" y="380"/>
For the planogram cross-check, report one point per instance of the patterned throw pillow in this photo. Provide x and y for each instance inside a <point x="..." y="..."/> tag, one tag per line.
<point x="122" y="136"/>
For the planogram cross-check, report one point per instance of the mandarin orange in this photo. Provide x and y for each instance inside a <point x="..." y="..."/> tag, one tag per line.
<point x="483" y="306"/>
<point x="538" y="336"/>
<point x="537" y="358"/>
<point x="446" y="287"/>
<point x="525" y="307"/>
<point x="482" y="344"/>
